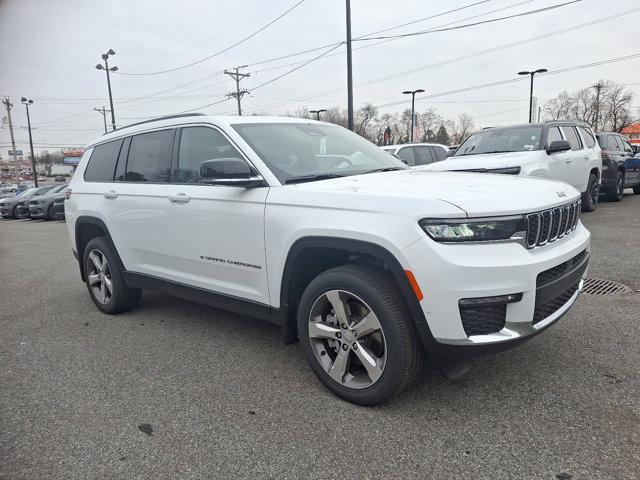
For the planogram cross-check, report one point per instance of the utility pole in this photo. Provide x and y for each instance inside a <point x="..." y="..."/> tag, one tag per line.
<point x="28" y="102"/>
<point x="105" y="57"/>
<point x="349" y="74"/>
<point x="318" y="112"/>
<point x="103" y="111"/>
<point x="238" y="94"/>
<point x="8" y="106"/>
<point x="598" y="86"/>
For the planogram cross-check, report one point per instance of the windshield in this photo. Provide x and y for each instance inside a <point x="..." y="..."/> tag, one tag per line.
<point x="57" y="189"/>
<point x="498" y="140"/>
<point x="300" y="151"/>
<point x="28" y="191"/>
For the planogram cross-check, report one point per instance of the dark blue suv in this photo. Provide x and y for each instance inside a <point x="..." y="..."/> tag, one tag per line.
<point x="620" y="167"/>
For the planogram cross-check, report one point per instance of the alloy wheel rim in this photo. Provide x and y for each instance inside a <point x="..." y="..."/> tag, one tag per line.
<point x="347" y="339"/>
<point x="99" y="277"/>
<point x="620" y="187"/>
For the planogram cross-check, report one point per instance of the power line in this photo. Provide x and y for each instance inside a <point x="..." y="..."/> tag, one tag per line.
<point x="463" y="57"/>
<point x="221" y="51"/>
<point x="474" y="24"/>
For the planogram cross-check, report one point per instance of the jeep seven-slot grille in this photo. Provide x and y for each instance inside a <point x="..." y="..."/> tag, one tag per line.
<point x="550" y="225"/>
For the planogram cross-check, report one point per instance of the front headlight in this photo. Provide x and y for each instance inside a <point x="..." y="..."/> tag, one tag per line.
<point x="505" y="170"/>
<point x="473" y="230"/>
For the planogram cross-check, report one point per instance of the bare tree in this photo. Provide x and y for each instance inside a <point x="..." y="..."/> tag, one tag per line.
<point x="429" y="121"/>
<point x="462" y="128"/>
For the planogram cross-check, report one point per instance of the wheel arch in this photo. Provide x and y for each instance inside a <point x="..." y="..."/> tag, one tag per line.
<point x="309" y="256"/>
<point x="86" y="228"/>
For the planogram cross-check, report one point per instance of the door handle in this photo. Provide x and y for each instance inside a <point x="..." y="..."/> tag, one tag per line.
<point x="568" y="160"/>
<point x="586" y="157"/>
<point x="180" y="198"/>
<point x="111" y="195"/>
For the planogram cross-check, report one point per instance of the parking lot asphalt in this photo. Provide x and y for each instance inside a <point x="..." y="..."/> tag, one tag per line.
<point x="175" y="389"/>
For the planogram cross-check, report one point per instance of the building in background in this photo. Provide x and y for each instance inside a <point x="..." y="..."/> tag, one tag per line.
<point x="632" y="132"/>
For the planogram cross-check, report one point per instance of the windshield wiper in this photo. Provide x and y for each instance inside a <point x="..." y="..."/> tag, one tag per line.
<point x="386" y="169"/>
<point x="313" y="178"/>
<point x="483" y="153"/>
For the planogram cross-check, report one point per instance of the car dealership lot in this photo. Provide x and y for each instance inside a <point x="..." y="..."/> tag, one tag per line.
<point x="177" y="389"/>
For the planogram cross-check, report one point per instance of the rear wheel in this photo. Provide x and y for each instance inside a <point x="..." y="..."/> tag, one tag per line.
<point x="616" y="192"/>
<point x="590" y="196"/>
<point x="105" y="280"/>
<point x="636" y="189"/>
<point x="356" y="335"/>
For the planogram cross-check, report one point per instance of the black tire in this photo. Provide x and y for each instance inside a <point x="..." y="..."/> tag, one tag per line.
<point x="403" y="351"/>
<point x="122" y="297"/>
<point x="636" y="189"/>
<point x="616" y="193"/>
<point x="590" y="197"/>
<point x="49" y="215"/>
<point x="14" y="213"/>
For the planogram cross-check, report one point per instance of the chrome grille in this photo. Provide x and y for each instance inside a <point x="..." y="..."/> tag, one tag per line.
<point x="550" y="225"/>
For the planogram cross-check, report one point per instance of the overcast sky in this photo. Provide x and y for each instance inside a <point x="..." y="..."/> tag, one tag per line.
<point x="49" y="51"/>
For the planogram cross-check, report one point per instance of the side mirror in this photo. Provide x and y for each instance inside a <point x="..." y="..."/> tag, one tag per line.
<point x="229" y="171"/>
<point x="558" y="146"/>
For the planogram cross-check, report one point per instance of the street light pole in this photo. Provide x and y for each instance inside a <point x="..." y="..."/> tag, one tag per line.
<point x="26" y="103"/>
<point x="532" y="73"/>
<point x="317" y="112"/>
<point x="105" y="57"/>
<point x="413" y="106"/>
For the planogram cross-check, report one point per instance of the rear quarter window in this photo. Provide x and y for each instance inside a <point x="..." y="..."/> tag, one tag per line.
<point x="572" y="137"/>
<point x="587" y="136"/>
<point x="102" y="163"/>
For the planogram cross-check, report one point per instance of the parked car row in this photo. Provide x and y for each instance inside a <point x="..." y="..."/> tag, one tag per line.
<point x="602" y="164"/>
<point x="46" y="203"/>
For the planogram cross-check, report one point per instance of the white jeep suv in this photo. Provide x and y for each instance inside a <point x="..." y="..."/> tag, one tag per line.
<point x="309" y="226"/>
<point x="565" y="151"/>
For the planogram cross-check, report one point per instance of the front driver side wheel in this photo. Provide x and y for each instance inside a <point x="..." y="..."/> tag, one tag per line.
<point x="357" y="336"/>
<point x="105" y="280"/>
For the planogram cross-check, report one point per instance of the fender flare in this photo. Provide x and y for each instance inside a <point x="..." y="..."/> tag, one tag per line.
<point x="91" y="220"/>
<point x="355" y="246"/>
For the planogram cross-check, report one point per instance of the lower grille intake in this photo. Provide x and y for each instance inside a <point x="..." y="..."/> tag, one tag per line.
<point x="482" y="320"/>
<point x="547" y="309"/>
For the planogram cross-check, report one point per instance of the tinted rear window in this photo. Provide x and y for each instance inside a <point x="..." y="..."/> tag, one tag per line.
<point x="102" y="163"/>
<point x="150" y="157"/>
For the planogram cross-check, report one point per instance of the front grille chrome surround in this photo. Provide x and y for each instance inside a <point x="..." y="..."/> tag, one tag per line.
<point x="550" y="225"/>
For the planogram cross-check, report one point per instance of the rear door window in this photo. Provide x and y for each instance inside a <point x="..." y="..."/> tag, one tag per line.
<point x="150" y="157"/>
<point x="102" y="163"/>
<point x="587" y="136"/>
<point x="423" y="155"/>
<point x="572" y="137"/>
<point x="406" y="155"/>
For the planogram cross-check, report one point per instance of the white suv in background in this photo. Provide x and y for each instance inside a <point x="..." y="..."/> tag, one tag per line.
<point x="307" y="225"/>
<point x="565" y="151"/>
<point x="414" y="154"/>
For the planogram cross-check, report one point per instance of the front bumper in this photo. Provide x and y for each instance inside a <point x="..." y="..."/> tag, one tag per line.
<point x="37" y="211"/>
<point x="448" y="274"/>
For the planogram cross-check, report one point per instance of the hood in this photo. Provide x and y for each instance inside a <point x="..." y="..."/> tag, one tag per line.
<point x="47" y="197"/>
<point x="429" y="193"/>
<point x="483" y="160"/>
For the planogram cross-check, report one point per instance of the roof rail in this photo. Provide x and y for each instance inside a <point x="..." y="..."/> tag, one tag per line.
<point x="168" y="117"/>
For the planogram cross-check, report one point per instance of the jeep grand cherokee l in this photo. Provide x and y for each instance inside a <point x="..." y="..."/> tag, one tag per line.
<point x="307" y="225"/>
<point x="565" y="151"/>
